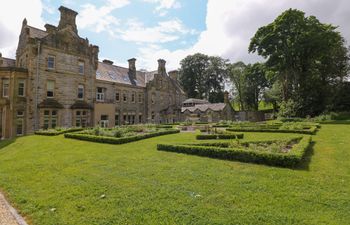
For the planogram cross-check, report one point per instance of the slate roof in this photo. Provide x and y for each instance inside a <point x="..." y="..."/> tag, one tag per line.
<point x="205" y="107"/>
<point x="50" y="103"/>
<point x="119" y="74"/>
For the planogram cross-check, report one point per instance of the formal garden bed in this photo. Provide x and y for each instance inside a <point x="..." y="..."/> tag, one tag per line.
<point x="57" y="131"/>
<point x="284" y="153"/>
<point x="122" y="134"/>
<point x="275" y="126"/>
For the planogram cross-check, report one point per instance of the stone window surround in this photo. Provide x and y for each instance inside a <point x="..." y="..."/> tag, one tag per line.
<point x="81" y="92"/>
<point x="51" y="62"/>
<point x="140" y="97"/>
<point x="5" y="87"/>
<point x="23" y="88"/>
<point x="81" y="67"/>
<point x="51" y="117"/>
<point x="117" y="96"/>
<point x="49" y="89"/>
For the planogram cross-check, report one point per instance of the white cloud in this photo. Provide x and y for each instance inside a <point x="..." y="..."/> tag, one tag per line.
<point x="11" y="17"/>
<point x="164" y="31"/>
<point x="100" y="19"/>
<point x="230" y="25"/>
<point x="164" y="5"/>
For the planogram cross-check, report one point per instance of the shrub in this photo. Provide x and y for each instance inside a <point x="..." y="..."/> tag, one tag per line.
<point x="219" y="136"/>
<point x="290" y="159"/>
<point x="58" y="131"/>
<point x="114" y="140"/>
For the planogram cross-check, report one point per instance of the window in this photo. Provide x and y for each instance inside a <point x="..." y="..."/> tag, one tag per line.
<point x="5" y="87"/>
<point x="153" y="96"/>
<point x="140" y="97"/>
<point x="50" y="87"/>
<point x="21" y="88"/>
<point x="81" y="118"/>
<point x="81" y="67"/>
<point x="124" y="119"/>
<point x="117" y="96"/>
<point x="152" y="115"/>
<point x="100" y="95"/>
<point x="125" y="97"/>
<point x="50" y="119"/>
<point x="104" y="121"/>
<point x="116" y="119"/>
<point x="51" y="62"/>
<point x="80" y="91"/>
<point x="133" y="97"/>
<point x="19" y="123"/>
<point x="140" y="118"/>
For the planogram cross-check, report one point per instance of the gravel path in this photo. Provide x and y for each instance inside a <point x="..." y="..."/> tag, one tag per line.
<point x="8" y="215"/>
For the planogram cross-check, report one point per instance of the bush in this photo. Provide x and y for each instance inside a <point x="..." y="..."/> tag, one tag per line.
<point x="219" y="136"/>
<point x="58" y="131"/>
<point x="311" y="130"/>
<point x="114" y="140"/>
<point x="290" y="159"/>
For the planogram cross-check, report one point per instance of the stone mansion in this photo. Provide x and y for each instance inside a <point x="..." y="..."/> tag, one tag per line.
<point x="57" y="80"/>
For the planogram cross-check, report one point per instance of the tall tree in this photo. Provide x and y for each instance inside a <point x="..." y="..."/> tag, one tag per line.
<point x="309" y="58"/>
<point x="236" y="73"/>
<point x="203" y="76"/>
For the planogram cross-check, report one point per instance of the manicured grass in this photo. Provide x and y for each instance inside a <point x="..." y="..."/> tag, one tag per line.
<point x="145" y="186"/>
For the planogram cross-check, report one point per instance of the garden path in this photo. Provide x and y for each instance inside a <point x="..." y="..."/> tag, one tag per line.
<point x="8" y="215"/>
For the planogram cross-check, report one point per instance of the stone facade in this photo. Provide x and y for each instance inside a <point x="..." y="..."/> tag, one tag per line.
<point x="65" y="85"/>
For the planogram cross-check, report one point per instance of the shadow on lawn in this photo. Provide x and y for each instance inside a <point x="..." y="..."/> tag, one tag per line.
<point x="4" y="143"/>
<point x="304" y="165"/>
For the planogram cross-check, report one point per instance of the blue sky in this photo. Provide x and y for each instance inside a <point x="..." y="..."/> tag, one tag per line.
<point x="168" y="29"/>
<point x="185" y="20"/>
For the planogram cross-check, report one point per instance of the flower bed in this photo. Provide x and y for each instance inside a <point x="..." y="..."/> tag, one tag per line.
<point x="58" y="131"/>
<point x="291" y="152"/>
<point x="121" y="135"/>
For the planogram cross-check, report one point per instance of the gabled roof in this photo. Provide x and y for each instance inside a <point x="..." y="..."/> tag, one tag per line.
<point x="204" y="107"/>
<point x="119" y="74"/>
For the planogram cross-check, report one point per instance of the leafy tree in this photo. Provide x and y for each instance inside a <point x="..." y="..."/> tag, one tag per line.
<point x="236" y="73"/>
<point x="308" y="57"/>
<point x="203" y="76"/>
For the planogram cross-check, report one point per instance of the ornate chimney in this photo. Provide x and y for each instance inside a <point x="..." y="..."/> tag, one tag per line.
<point x="67" y="18"/>
<point x="132" y="68"/>
<point x="174" y="74"/>
<point x="161" y="67"/>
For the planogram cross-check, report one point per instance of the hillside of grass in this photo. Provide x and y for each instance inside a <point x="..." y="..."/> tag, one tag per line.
<point x="53" y="180"/>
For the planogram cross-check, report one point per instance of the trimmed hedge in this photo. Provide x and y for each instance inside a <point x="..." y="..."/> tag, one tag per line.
<point x="218" y="136"/>
<point x="312" y="130"/>
<point x="57" y="132"/>
<point x="113" y="140"/>
<point x="290" y="159"/>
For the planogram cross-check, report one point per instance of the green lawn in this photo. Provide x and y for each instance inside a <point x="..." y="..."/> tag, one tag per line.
<point x="145" y="186"/>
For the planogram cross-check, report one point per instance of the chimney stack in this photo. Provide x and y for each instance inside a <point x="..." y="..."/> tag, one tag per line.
<point x="106" y="61"/>
<point x="174" y="74"/>
<point x="161" y="67"/>
<point x="50" y="28"/>
<point x="67" y="19"/>
<point x="132" y="68"/>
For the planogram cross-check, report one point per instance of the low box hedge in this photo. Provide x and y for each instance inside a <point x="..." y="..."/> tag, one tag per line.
<point x="220" y="151"/>
<point x="311" y="130"/>
<point x="113" y="140"/>
<point x="57" y="132"/>
<point x="219" y="136"/>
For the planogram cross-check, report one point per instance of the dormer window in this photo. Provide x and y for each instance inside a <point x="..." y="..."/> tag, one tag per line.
<point x="51" y="62"/>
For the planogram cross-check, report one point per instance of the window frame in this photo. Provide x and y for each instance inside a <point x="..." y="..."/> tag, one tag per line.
<point x="21" y="81"/>
<point x="81" y="65"/>
<point x="100" y="96"/>
<point x="47" y="89"/>
<point x="49" y="62"/>
<point x="6" y="82"/>
<point x="81" y="88"/>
